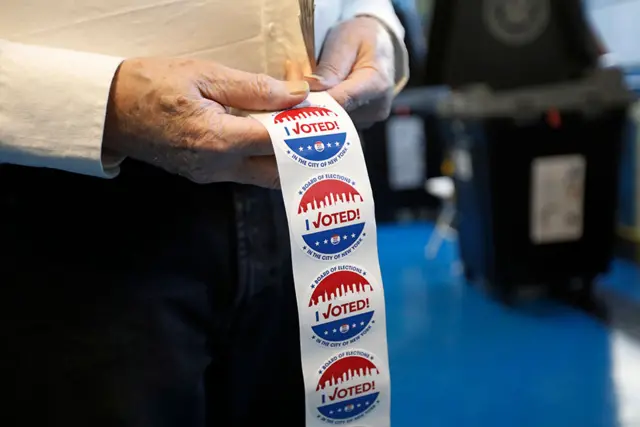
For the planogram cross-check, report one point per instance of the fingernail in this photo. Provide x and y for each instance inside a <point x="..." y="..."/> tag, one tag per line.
<point x="314" y="77"/>
<point x="297" y="88"/>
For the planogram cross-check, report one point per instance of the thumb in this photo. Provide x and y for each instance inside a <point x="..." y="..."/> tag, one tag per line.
<point x="336" y="62"/>
<point x="254" y="92"/>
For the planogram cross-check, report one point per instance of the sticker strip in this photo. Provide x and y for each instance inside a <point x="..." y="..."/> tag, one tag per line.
<point x="329" y="203"/>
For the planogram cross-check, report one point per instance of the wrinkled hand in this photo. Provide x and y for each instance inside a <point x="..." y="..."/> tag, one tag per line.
<point x="174" y="114"/>
<point x="357" y="68"/>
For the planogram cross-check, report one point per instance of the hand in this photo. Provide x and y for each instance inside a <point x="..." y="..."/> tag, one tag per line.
<point x="174" y="114"/>
<point x="357" y="67"/>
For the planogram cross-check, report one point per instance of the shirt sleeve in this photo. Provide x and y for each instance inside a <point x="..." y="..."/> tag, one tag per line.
<point x="52" y="108"/>
<point x="384" y="12"/>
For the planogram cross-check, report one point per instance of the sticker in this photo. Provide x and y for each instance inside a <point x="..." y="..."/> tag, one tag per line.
<point x="314" y="137"/>
<point x="406" y="153"/>
<point x="329" y="217"/>
<point x="334" y="259"/>
<point x="347" y="389"/>
<point x="341" y="309"/>
<point x="557" y="198"/>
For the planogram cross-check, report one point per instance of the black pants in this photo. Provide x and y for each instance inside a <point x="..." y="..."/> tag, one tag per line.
<point x="145" y="301"/>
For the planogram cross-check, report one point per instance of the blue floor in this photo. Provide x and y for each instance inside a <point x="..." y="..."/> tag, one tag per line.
<point x="460" y="359"/>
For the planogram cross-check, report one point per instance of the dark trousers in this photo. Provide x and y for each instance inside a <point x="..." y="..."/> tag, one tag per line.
<point x="145" y="301"/>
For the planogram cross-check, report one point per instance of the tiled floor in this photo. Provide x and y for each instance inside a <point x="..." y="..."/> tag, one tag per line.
<point x="459" y="359"/>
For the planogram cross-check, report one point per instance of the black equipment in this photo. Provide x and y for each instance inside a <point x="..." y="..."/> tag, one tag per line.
<point x="534" y="128"/>
<point x="508" y="44"/>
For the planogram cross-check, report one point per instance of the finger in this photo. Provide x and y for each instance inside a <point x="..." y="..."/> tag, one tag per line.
<point x="261" y="171"/>
<point x="360" y="88"/>
<point x="306" y="68"/>
<point x="371" y="113"/>
<point x="336" y="61"/>
<point x="248" y="91"/>
<point x="243" y="136"/>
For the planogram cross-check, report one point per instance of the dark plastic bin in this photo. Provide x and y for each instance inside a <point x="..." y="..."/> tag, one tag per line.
<point x="496" y="138"/>
<point x="395" y="204"/>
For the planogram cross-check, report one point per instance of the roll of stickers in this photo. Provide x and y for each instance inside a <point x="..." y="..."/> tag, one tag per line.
<point x="330" y="210"/>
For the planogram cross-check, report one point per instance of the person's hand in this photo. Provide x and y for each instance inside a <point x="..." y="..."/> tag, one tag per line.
<point x="174" y="114"/>
<point x="357" y="67"/>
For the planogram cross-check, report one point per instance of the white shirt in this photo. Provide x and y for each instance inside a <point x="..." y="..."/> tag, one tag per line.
<point x="58" y="58"/>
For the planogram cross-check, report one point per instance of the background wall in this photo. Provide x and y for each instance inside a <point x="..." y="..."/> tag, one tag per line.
<point x="618" y="22"/>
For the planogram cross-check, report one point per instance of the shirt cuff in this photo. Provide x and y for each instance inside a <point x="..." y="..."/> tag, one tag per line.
<point x="383" y="11"/>
<point x="52" y="109"/>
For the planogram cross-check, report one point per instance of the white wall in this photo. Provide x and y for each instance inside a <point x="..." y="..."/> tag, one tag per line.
<point x="618" y="22"/>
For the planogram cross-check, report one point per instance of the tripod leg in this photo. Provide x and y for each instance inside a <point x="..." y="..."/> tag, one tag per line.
<point x="443" y="226"/>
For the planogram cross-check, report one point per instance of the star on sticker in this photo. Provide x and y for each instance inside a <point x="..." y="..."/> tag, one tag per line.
<point x="300" y="193"/>
<point x="317" y="243"/>
<point x="326" y="332"/>
<point x="354" y="325"/>
<point x="329" y="145"/>
<point x="335" y="330"/>
<point x="326" y="241"/>
<point x="308" y="147"/>
<point x="353" y="236"/>
<point x="354" y="183"/>
<point x="304" y="248"/>
<point x="361" y="323"/>
<point x="288" y="151"/>
<point x="337" y="144"/>
<point x="345" y="237"/>
<point x="364" y="234"/>
<point x="359" y="405"/>
<point x="301" y="148"/>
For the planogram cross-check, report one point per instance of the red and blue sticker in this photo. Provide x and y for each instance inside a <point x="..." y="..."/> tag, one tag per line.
<point x="313" y="136"/>
<point x="341" y="306"/>
<point x="329" y="218"/>
<point x="347" y="389"/>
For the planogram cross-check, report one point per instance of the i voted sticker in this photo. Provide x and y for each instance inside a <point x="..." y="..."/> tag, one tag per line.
<point x="341" y="306"/>
<point x="347" y="388"/>
<point x="339" y="292"/>
<point x="329" y="222"/>
<point x="313" y="136"/>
